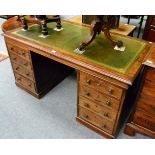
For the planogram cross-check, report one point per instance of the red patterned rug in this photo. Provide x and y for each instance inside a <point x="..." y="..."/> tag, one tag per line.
<point x="3" y="56"/>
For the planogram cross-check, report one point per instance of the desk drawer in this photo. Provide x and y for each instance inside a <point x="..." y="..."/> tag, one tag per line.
<point x="101" y="85"/>
<point x="148" y="88"/>
<point x="144" y="120"/>
<point x="147" y="104"/>
<point x="25" y="82"/>
<point x="16" y="59"/>
<point x="150" y="75"/>
<point x="95" y="119"/>
<point x="99" y="109"/>
<point x="98" y="97"/>
<point x="19" y="69"/>
<point x="153" y="22"/>
<point x="22" y="52"/>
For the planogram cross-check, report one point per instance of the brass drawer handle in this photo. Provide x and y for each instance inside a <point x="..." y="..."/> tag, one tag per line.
<point x="152" y="30"/>
<point x="17" y="68"/>
<point x="87" y="94"/>
<point x="28" y="74"/>
<point x="30" y="84"/>
<point x="87" y="117"/>
<point x="110" y="91"/>
<point x="108" y="103"/>
<point x="23" y="53"/>
<point x="88" y="82"/>
<point x="26" y="64"/>
<point x="103" y="126"/>
<point x="19" y="79"/>
<point x="12" y="48"/>
<point x="14" y="58"/>
<point x="99" y="84"/>
<point x="152" y="26"/>
<point x="87" y="105"/>
<point x="106" y="114"/>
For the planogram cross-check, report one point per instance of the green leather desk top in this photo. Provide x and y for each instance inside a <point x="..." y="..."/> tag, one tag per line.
<point x="100" y="52"/>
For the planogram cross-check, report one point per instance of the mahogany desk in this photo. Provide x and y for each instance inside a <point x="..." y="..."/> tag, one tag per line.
<point x="106" y="78"/>
<point x="142" y="119"/>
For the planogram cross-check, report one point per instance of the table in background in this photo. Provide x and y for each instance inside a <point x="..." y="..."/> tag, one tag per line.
<point x="123" y="29"/>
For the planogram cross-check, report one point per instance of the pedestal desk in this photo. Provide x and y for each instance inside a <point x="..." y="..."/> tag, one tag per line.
<point x="106" y="78"/>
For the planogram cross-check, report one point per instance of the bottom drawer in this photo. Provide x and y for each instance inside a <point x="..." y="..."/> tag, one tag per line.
<point x="103" y="111"/>
<point x="144" y="120"/>
<point x="25" y="82"/>
<point x="96" y="120"/>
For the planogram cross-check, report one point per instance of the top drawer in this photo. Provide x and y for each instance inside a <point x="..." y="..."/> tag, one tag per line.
<point x="150" y="74"/>
<point x="21" y="51"/>
<point x="101" y="85"/>
<point x="153" y="22"/>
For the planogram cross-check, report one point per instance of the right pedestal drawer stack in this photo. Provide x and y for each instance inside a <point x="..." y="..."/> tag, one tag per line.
<point x="100" y="104"/>
<point x="142" y="119"/>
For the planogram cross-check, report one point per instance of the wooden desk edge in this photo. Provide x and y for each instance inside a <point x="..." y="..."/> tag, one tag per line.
<point x="127" y="78"/>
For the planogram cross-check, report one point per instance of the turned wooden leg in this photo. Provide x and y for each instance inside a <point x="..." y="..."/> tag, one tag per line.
<point x="84" y="44"/>
<point x="58" y="23"/>
<point x="96" y="28"/>
<point x="129" y="130"/>
<point x="44" y="27"/>
<point x="108" y="36"/>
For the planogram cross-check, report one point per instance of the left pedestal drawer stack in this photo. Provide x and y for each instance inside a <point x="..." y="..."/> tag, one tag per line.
<point x="22" y="67"/>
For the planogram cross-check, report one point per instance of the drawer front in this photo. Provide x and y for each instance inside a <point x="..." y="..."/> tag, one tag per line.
<point x="151" y="34"/>
<point x="101" y="85"/>
<point x="24" y="53"/>
<point x="25" y="82"/>
<point x="147" y="104"/>
<point x="16" y="59"/>
<point x="100" y="98"/>
<point x="144" y="120"/>
<point x="101" y="110"/>
<point x="95" y="120"/>
<point x="153" y="22"/>
<point x="19" y="69"/>
<point x="150" y="75"/>
<point x="148" y="88"/>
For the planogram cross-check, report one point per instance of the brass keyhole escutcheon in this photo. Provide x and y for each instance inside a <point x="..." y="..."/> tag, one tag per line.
<point x="104" y="126"/>
<point x="108" y="103"/>
<point x="19" y="79"/>
<point x="28" y="74"/>
<point x="17" y="68"/>
<point x="14" y="58"/>
<point x="106" y="114"/>
<point x="87" y="94"/>
<point x="88" y="82"/>
<point x="110" y="90"/>
<point x="26" y="64"/>
<point x="99" y="84"/>
<point x="23" y="53"/>
<point x="11" y="48"/>
<point x="87" y="105"/>
<point x="87" y="117"/>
